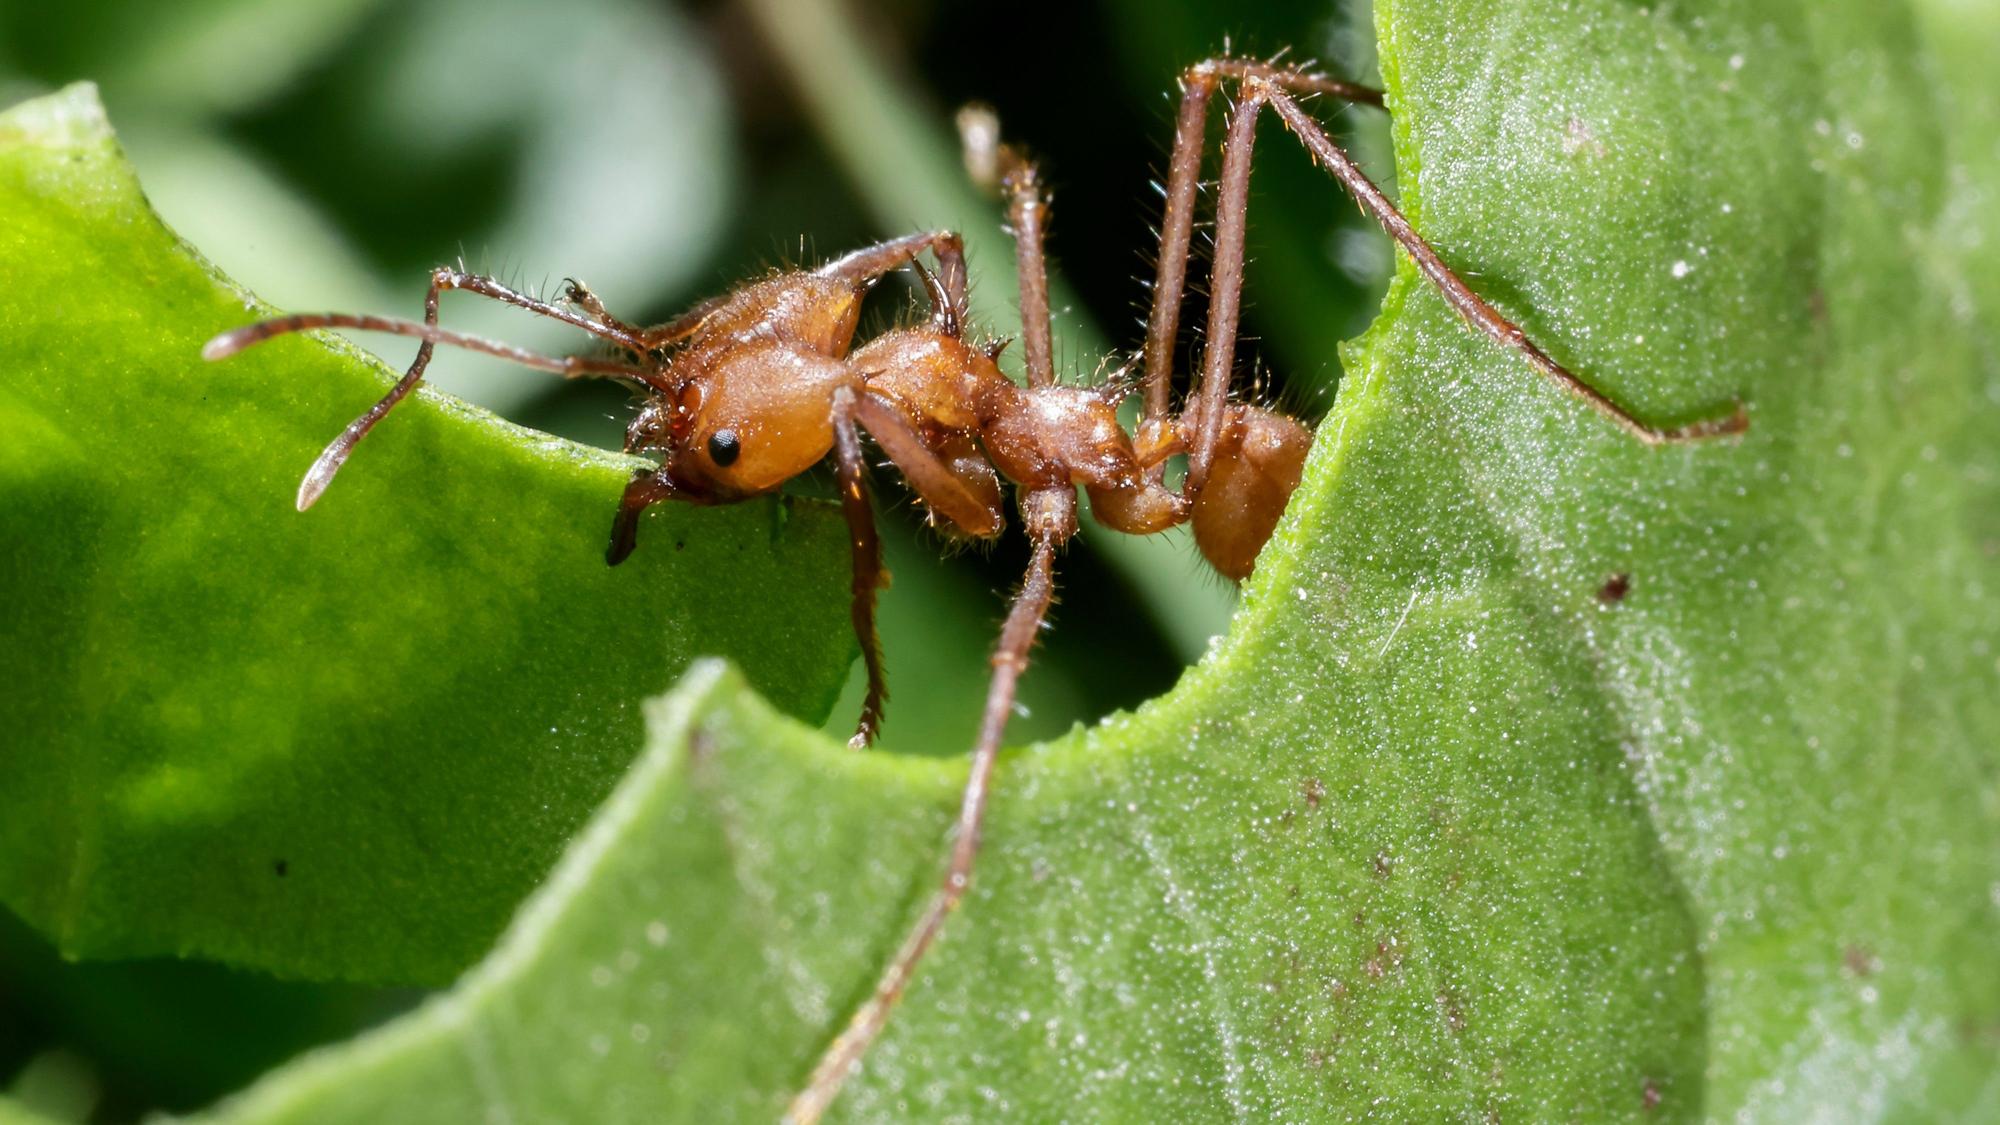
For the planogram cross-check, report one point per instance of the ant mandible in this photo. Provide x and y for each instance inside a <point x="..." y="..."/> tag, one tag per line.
<point x="752" y="388"/>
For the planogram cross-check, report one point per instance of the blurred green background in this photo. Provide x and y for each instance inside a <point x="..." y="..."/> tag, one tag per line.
<point x="327" y="153"/>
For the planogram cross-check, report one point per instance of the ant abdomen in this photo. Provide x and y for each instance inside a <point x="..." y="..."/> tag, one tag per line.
<point x="1256" y="467"/>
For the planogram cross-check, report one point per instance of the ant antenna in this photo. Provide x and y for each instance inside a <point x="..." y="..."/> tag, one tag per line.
<point x="336" y="452"/>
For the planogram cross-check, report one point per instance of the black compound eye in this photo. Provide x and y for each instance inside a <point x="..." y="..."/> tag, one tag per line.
<point x="723" y="448"/>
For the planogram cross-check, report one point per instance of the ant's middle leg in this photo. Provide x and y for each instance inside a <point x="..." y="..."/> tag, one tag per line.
<point x="992" y="164"/>
<point x="1050" y="519"/>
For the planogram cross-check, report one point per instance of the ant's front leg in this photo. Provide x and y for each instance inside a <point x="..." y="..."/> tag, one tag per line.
<point x="969" y="503"/>
<point x="336" y="452"/>
<point x="953" y="480"/>
<point x="866" y="265"/>
<point x="869" y="577"/>
<point x="577" y="293"/>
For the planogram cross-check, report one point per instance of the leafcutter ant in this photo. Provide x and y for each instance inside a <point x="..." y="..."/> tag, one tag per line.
<point x="754" y="387"/>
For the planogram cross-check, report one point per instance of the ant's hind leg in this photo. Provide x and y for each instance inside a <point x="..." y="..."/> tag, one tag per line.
<point x="1198" y="85"/>
<point x="1261" y="89"/>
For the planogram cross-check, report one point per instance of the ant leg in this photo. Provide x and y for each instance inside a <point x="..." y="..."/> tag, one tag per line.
<point x="682" y="326"/>
<point x="944" y="317"/>
<point x="1027" y="214"/>
<point x="577" y="293"/>
<point x="927" y="473"/>
<point x="990" y="163"/>
<point x="932" y="479"/>
<point x="869" y="263"/>
<point x="1176" y="235"/>
<point x="869" y="576"/>
<point x="336" y="452"/>
<point x="1198" y="84"/>
<point x="1051" y="517"/>
<point x="1470" y="305"/>
<point x="1203" y="416"/>
<point x="1266" y="86"/>
<point x="598" y="323"/>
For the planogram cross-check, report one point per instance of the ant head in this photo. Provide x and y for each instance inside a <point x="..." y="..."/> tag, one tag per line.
<point x="750" y="418"/>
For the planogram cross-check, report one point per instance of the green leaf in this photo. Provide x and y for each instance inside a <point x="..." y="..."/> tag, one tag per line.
<point x="200" y="55"/>
<point x="13" y="1112"/>
<point x="1454" y="825"/>
<point x="334" y="745"/>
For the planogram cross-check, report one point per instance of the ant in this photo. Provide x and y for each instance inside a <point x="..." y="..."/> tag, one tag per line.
<point x="754" y="387"/>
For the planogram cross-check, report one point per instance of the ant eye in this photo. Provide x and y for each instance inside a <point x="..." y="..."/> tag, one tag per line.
<point x="723" y="447"/>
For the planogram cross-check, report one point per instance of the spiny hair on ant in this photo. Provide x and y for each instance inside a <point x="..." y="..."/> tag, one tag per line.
<point x="753" y="387"/>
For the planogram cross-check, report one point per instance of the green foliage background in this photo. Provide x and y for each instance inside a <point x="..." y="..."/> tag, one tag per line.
<point x="1437" y="832"/>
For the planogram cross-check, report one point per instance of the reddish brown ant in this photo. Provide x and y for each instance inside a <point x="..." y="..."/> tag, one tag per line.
<point x="752" y="388"/>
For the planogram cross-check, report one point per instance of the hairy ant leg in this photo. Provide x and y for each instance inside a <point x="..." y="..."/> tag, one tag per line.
<point x="1264" y="84"/>
<point x="578" y="294"/>
<point x="946" y="316"/>
<point x="1049" y="438"/>
<point x="1254" y="456"/>
<point x="993" y="165"/>
<point x="1260" y="451"/>
<point x="1048" y="509"/>
<point x="1027" y="216"/>
<point x="1198" y="85"/>
<point x="942" y="485"/>
<point x="1468" y="304"/>
<point x="335" y="455"/>
<point x="937" y="482"/>
<point x="596" y="321"/>
<point x="869" y="576"/>
<point x="947" y="286"/>
<point x="1050" y="516"/>
<point x="866" y="265"/>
